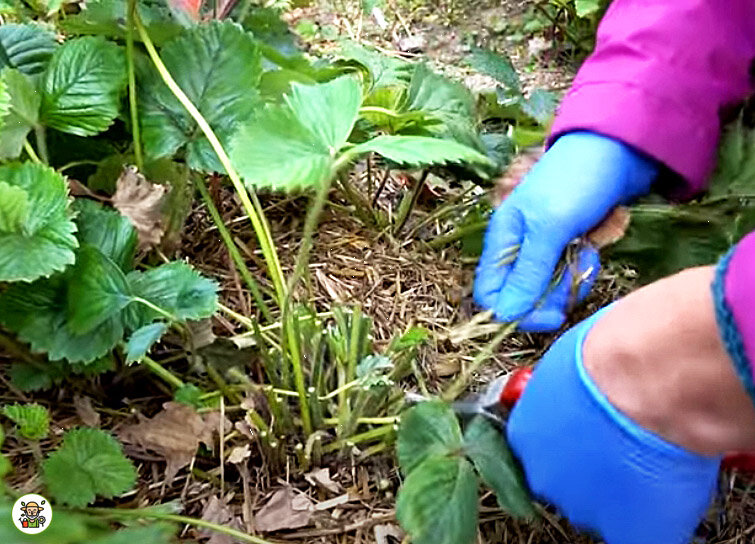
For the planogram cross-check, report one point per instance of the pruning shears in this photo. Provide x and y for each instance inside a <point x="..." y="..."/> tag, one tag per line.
<point x="487" y="403"/>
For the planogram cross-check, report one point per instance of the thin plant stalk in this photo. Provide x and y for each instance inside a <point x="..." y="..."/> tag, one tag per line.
<point x="30" y="151"/>
<point x="251" y="204"/>
<point x="159" y="370"/>
<point x="132" y="97"/>
<point x="234" y="252"/>
<point x="457" y="234"/>
<point x="409" y="202"/>
<point x="41" y="136"/>
<point x="289" y="321"/>
<point x="151" y="513"/>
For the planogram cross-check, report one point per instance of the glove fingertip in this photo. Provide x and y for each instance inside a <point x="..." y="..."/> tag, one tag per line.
<point x="548" y="320"/>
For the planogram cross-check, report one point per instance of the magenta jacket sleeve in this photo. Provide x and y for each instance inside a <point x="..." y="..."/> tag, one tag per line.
<point x="661" y="73"/>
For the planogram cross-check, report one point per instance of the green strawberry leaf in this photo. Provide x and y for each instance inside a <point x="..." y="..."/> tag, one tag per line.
<point x="177" y="289"/>
<point x="486" y="447"/>
<point x="427" y="430"/>
<point x="89" y="463"/>
<point x="108" y="231"/>
<point x="37" y="313"/>
<point x="218" y="66"/>
<point x="36" y="231"/>
<point x="295" y="145"/>
<point x="383" y="70"/>
<point x="449" y="101"/>
<point x="586" y="8"/>
<point x="22" y="114"/>
<point x="26" y="47"/>
<point x="498" y="66"/>
<point x="82" y="86"/>
<point x="421" y="151"/>
<point x="438" y="502"/>
<point x="540" y="105"/>
<point x="151" y="534"/>
<point x="142" y="340"/>
<point x="735" y="171"/>
<point x="32" y="420"/>
<point x="14" y="208"/>
<point x="97" y="291"/>
<point x="108" y="18"/>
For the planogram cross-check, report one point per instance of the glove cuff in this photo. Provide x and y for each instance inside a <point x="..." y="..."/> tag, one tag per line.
<point x="628" y="426"/>
<point x="727" y="326"/>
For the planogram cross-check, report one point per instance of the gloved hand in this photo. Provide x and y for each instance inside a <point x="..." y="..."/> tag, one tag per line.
<point x="578" y="181"/>
<point x="603" y="471"/>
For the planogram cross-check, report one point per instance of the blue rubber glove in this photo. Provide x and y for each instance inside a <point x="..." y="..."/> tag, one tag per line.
<point x="604" y="472"/>
<point x="578" y="181"/>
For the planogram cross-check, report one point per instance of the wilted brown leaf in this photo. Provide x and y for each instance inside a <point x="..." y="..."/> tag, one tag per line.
<point x="611" y="229"/>
<point x="142" y="203"/>
<point x="321" y="477"/>
<point x="239" y="454"/>
<point x="86" y="411"/>
<point x="285" y="510"/>
<point x="174" y="433"/>
<point x="219" y="512"/>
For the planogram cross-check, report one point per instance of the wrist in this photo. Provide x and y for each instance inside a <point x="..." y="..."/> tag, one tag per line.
<point x="658" y="357"/>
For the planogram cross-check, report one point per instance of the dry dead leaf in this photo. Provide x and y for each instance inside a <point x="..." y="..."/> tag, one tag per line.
<point x="86" y="411"/>
<point x="285" y="510"/>
<point x="611" y="229"/>
<point x="239" y="454"/>
<point x="174" y="433"/>
<point x="142" y="203"/>
<point x="201" y="333"/>
<point x="382" y="532"/>
<point x="321" y="477"/>
<point x="219" y="512"/>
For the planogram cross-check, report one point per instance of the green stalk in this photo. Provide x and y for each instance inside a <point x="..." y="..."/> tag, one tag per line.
<point x="238" y="260"/>
<point x="458" y="385"/>
<point x="41" y="135"/>
<point x="361" y="206"/>
<point x="159" y="370"/>
<point x="30" y="151"/>
<point x="409" y="202"/>
<point x="150" y="513"/>
<point x="366" y="436"/>
<point x="132" y="102"/>
<point x="457" y="234"/>
<point x="251" y="204"/>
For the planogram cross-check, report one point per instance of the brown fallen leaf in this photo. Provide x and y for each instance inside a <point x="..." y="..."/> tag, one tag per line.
<point x="86" y="411"/>
<point x="285" y="510"/>
<point x="321" y="477"/>
<point x="239" y="454"/>
<point x="142" y="203"/>
<point x="219" y="512"/>
<point x="174" y="433"/>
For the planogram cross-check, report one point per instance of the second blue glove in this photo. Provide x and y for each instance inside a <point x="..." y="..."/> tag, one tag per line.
<point x="578" y="181"/>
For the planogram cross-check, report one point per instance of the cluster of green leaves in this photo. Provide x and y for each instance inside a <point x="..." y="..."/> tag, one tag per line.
<point x="665" y="238"/>
<point x="527" y="116"/>
<point x="438" y="501"/>
<point x="82" y="313"/>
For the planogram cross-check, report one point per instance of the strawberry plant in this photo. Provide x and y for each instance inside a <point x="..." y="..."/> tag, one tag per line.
<point x="438" y="500"/>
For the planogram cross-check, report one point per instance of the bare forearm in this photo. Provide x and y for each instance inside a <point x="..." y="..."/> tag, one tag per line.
<point x="658" y="357"/>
